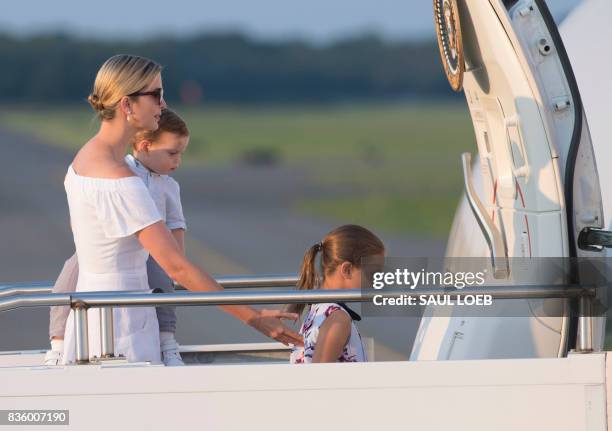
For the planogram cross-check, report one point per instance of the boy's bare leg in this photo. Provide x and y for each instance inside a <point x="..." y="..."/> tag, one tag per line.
<point x="66" y="282"/>
<point x="166" y="316"/>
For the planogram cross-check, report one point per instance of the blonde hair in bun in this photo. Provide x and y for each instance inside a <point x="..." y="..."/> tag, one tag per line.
<point x="95" y="103"/>
<point x="119" y="76"/>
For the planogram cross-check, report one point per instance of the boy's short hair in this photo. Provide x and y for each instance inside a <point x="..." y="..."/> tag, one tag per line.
<point x="169" y="121"/>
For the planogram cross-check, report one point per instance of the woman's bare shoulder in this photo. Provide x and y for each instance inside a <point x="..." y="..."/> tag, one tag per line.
<point x="98" y="163"/>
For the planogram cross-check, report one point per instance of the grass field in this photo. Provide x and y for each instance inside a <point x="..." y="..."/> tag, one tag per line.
<point x="399" y="162"/>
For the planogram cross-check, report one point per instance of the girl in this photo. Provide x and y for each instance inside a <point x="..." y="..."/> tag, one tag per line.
<point x="116" y="224"/>
<point x="329" y="331"/>
<point x="154" y="155"/>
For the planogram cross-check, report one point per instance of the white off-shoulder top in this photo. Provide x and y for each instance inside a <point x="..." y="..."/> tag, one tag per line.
<point x="105" y="214"/>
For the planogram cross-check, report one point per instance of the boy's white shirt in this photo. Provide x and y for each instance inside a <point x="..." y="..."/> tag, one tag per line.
<point x="164" y="190"/>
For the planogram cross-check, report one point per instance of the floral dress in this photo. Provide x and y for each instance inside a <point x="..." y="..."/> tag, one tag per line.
<point x="353" y="350"/>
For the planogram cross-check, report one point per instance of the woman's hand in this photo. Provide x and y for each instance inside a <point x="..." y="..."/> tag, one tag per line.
<point x="268" y="322"/>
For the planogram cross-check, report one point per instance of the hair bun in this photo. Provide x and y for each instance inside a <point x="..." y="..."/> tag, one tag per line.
<point x="95" y="103"/>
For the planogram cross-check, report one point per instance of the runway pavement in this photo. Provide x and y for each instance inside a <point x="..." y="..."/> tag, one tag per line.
<point x="240" y="221"/>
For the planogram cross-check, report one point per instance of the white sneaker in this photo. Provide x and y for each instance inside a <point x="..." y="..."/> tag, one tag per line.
<point x="170" y="354"/>
<point x="53" y="357"/>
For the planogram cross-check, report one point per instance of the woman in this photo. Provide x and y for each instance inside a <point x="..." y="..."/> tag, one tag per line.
<point x="115" y="222"/>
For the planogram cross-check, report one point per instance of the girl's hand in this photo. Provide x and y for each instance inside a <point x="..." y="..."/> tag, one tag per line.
<point x="268" y="322"/>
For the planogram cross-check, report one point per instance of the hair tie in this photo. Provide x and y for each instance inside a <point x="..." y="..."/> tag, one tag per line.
<point x="318" y="246"/>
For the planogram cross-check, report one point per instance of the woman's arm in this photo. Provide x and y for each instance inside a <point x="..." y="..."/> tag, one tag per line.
<point x="333" y="336"/>
<point x="179" y="237"/>
<point x="160" y="243"/>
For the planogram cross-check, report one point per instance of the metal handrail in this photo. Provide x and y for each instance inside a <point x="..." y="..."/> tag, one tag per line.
<point x="227" y="281"/>
<point x="491" y="233"/>
<point x="148" y="299"/>
<point x="81" y="301"/>
<point x="25" y="288"/>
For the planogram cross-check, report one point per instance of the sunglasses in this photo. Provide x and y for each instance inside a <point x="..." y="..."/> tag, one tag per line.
<point x="157" y="94"/>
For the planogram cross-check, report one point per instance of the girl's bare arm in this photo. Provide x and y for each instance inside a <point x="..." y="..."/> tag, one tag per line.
<point x="333" y="336"/>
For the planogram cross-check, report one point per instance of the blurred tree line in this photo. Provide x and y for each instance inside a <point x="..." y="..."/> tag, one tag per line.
<point x="227" y="68"/>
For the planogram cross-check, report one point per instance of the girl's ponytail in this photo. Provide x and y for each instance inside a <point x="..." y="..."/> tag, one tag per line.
<point x="308" y="275"/>
<point x="348" y="243"/>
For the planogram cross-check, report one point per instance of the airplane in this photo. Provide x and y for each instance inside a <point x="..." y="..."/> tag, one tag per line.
<point x="535" y="185"/>
<point x="539" y="188"/>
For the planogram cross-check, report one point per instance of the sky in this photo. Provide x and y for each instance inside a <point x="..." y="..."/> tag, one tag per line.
<point x="317" y="21"/>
